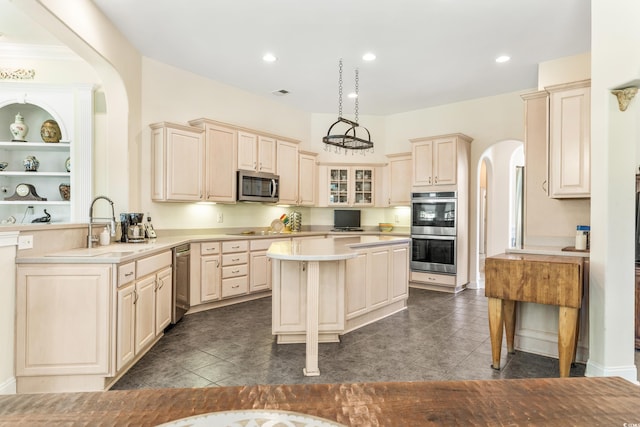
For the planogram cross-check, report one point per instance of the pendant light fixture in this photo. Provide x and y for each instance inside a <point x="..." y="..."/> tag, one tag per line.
<point x="350" y="139"/>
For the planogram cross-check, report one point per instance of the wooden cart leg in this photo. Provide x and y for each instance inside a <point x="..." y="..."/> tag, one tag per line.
<point x="567" y="322"/>
<point x="495" y="330"/>
<point x="509" y="308"/>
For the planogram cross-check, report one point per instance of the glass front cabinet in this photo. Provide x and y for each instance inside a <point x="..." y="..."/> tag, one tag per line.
<point x="48" y="167"/>
<point x="351" y="186"/>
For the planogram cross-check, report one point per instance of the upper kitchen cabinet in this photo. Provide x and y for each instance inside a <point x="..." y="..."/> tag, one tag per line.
<point x="440" y="162"/>
<point x="176" y="162"/>
<point x="59" y="135"/>
<point x="256" y="152"/>
<point x="288" y="167"/>
<point x="220" y="147"/>
<point x="344" y="185"/>
<point x="398" y="179"/>
<point x="307" y="178"/>
<point x="569" y="140"/>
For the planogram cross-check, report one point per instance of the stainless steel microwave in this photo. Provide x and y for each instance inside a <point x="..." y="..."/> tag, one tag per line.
<point x="258" y="187"/>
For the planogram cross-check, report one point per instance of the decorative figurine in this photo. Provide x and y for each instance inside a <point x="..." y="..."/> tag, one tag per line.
<point x="65" y="191"/>
<point x="50" y="131"/>
<point x="31" y="164"/>
<point x="19" y="129"/>
<point x="45" y="218"/>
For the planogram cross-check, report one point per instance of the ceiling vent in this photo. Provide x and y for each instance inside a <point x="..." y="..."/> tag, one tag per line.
<point x="281" y="92"/>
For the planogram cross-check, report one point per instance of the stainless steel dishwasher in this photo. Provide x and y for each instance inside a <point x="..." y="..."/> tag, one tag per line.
<point x="181" y="275"/>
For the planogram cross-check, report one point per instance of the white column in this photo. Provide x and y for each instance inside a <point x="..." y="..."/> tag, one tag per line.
<point x="313" y="284"/>
<point x="8" y="243"/>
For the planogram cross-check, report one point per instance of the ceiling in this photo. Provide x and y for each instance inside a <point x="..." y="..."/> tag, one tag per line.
<point x="429" y="52"/>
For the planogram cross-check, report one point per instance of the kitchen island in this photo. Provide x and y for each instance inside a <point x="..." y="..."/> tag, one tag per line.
<point x="323" y="288"/>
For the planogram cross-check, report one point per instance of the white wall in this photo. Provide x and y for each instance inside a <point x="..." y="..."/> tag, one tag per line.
<point x="615" y="139"/>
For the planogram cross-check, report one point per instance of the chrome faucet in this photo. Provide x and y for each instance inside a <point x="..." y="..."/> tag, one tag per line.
<point x="112" y="221"/>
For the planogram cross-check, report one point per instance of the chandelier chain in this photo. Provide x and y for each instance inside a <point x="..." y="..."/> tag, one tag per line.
<point x="340" y="90"/>
<point x="357" y="96"/>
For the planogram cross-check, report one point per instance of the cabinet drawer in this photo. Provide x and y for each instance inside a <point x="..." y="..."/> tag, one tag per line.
<point x="234" y="271"/>
<point x="235" y="246"/>
<point x="153" y="263"/>
<point x="442" y="279"/>
<point x="235" y="259"/>
<point x="263" y="244"/>
<point x="235" y="286"/>
<point x="126" y="273"/>
<point x="210" y="248"/>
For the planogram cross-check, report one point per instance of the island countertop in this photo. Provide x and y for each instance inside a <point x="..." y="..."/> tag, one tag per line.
<point x="329" y="249"/>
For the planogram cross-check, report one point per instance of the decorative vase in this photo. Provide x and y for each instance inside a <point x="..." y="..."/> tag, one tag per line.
<point x="19" y="129"/>
<point x="65" y="191"/>
<point x="67" y="164"/>
<point x="50" y="131"/>
<point x="31" y="164"/>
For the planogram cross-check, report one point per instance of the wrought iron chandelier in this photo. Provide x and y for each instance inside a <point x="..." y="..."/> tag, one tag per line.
<point x="349" y="140"/>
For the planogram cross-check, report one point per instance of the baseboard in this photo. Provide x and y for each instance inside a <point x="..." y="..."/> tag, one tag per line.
<point x="629" y="373"/>
<point x="9" y="386"/>
<point x="545" y="344"/>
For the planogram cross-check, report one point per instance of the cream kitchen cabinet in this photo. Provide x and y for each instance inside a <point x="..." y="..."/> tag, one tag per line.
<point x="287" y="170"/>
<point x="569" y="140"/>
<point x="307" y="179"/>
<point x="210" y="271"/>
<point x="376" y="278"/>
<point x="143" y="306"/>
<point x="350" y="186"/>
<point x="177" y="153"/>
<point x="260" y="265"/>
<point x="235" y="268"/>
<point x="440" y="161"/>
<point x="220" y="158"/>
<point x="398" y="179"/>
<point x="63" y="325"/>
<point x="256" y="152"/>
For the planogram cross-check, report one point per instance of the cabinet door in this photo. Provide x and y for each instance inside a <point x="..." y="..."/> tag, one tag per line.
<point x="339" y="187"/>
<point x="125" y="326"/>
<point x="362" y="187"/>
<point x="356" y="286"/>
<point x="210" y="278"/>
<point x="184" y="165"/>
<point x="308" y="177"/>
<point x="63" y="320"/>
<point x="378" y="275"/>
<point x="399" y="272"/>
<point x="220" y="163"/>
<point x="260" y="272"/>
<point x="247" y="151"/>
<point x="145" y="312"/>
<point x="267" y="154"/>
<point x="445" y="161"/>
<point x="422" y="153"/>
<point x="288" y="172"/>
<point x="399" y="180"/>
<point x="163" y="299"/>
<point x="569" y="143"/>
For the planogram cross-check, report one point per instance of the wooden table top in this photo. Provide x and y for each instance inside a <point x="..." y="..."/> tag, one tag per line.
<point x="606" y="401"/>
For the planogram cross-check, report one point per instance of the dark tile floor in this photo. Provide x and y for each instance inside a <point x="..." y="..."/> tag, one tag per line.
<point x="440" y="337"/>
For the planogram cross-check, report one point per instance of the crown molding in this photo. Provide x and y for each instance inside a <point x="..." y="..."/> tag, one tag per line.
<point x="32" y="51"/>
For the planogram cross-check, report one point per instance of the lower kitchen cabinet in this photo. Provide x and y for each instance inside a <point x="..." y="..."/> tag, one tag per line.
<point x="235" y="268"/>
<point x="210" y="271"/>
<point x="260" y="265"/>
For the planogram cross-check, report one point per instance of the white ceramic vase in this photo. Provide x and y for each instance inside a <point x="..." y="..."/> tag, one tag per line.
<point x="19" y="129"/>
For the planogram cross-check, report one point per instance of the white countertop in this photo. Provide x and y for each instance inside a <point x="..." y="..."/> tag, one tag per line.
<point x="117" y="252"/>
<point x="330" y="249"/>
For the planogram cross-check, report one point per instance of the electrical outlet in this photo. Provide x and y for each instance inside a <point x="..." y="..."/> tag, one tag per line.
<point x="25" y="242"/>
<point x="219" y="218"/>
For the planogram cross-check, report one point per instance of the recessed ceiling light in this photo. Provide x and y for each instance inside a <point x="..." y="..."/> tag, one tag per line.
<point x="269" y="57"/>
<point x="352" y="95"/>
<point x="502" y="58"/>
<point x="369" y="56"/>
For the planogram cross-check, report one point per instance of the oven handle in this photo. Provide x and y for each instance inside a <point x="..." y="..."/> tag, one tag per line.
<point x="432" y="237"/>
<point x="432" y="200"/>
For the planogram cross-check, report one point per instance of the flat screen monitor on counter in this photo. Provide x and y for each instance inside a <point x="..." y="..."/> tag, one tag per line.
<point x="346" y="220"/>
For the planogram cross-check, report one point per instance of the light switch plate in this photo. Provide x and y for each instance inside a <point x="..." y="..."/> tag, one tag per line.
<point x="25" y="242"/>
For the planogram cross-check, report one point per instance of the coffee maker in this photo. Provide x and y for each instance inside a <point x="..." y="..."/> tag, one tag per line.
<point x="131" y="227"/>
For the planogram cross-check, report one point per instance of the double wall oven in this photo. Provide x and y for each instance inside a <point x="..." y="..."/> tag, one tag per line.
<point x="433" y="232"/>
